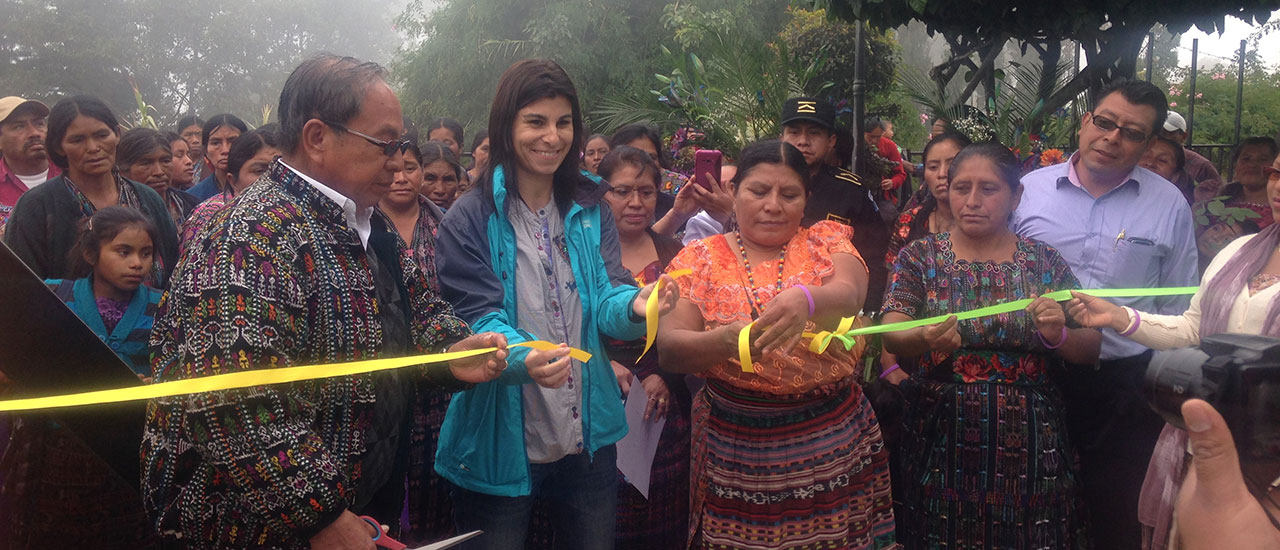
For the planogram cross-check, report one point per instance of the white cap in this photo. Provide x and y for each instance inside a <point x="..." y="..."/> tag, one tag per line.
<point x="1175" y="123"/>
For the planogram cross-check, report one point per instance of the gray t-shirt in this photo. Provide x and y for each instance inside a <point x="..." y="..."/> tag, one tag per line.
<point x="548" y="306"/>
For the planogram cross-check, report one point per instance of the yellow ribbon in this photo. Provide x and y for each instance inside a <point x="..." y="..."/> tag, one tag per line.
<point x="744" y="348"/>
<point x="260" y="377"/>
<point x="651" y="311"/>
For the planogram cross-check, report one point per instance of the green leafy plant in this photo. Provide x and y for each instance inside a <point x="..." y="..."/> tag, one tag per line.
<point x="732" y="92"/>
<point x="1218" y="209"/>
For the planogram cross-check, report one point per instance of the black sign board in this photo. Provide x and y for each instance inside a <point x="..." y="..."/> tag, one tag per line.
<point x="45" y="349"/>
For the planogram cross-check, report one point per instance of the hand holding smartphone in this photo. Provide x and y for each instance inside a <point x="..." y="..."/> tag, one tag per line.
<point x="706" y="165"/>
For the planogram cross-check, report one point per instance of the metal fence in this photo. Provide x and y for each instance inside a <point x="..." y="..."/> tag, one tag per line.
<point x="1219" y="154"/>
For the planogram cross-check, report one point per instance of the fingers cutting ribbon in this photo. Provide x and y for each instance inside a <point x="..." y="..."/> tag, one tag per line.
<point x="821" y="340"/>
<point x="261" y="377"/>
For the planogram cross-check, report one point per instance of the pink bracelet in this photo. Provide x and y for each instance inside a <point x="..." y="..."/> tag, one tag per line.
<point x="806" y="295"/>
<point x="1134" y="322"/>
<point x="886" y="372"/>
<point x="1061" y="341"/>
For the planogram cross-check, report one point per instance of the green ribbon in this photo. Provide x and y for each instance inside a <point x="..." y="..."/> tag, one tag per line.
<point x="1018" y="305"/>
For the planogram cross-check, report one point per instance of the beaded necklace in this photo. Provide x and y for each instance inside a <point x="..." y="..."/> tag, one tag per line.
<point x="757" y="306"/>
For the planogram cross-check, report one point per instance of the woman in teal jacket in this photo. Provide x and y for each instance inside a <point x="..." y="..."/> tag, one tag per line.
<point x="532" y="253"/>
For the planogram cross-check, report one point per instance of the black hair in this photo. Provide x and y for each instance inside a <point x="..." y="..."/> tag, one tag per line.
<point x="1006" y="163"/>
<point x="771" y="151"/>
<point x="949" y="135"/>
<point x="247" y="146"/>
<point x="64" y="113"/>
<point x="413" y="149"/>
<point x="218" y="121"/>
<point x="872" y="122"/>
<point x="525" y="82"/>
<point x="410" y="130"/>
<point x="170" y="137"/>
<point x="137" y="143"/>
<point x="102" y="228"/>
<point x="189" y="120"/>
<point x="478" y="140"/>
<point x="592" y="137"/>
<point x="449" y="124"/>
<point x="844" y="145"/>
<point x="1138" y="92"/>
<point x="632" y="132"/>
<point x="625" y="155"/>
<point x="1179" y="156"/>
<point x="324" y="87"/>
<point x="1254" y="141"/>
<point x="436" y="150"/>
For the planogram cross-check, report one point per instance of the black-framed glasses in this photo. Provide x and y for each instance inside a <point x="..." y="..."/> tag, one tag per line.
<point x="389" y="148"/>
<point x="1107" y="125"/>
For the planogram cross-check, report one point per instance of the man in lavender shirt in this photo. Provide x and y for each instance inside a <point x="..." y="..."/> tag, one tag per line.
<point x="1118" y="226"/>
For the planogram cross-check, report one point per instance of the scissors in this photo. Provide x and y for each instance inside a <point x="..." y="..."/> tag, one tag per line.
<point x="382" y="540"/>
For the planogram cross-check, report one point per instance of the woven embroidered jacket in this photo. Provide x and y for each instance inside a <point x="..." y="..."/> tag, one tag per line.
<point x="276" y="279"/>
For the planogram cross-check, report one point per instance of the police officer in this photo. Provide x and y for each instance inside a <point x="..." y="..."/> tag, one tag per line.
<point x="835" y="193"/>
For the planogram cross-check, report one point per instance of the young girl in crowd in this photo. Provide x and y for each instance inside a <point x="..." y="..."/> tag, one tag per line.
<point x="109" y="262"/>
<point x="532" y="254"/>
<point x="55" y="488"/>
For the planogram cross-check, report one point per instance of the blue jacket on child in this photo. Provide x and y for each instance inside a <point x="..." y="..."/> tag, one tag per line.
<point x="131" y="336"/>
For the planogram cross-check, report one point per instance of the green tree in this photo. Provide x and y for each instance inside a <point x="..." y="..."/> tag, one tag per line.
<point x="1214" y="121"/>
<point x="1111" y="34"/>
<point x="611" y="48"/>
<point x="183" y="55"/>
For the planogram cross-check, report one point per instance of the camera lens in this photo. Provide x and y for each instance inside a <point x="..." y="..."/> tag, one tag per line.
<point x="1172" y="378"/>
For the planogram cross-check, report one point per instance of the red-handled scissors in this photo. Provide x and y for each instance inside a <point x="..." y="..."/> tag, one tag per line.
<point x="382" y="540"/>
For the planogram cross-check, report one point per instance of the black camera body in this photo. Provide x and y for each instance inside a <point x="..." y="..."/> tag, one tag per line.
<point x="1238" y="374"/>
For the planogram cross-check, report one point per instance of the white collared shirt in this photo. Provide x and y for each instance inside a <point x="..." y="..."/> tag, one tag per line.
<point x="358" y="220"/>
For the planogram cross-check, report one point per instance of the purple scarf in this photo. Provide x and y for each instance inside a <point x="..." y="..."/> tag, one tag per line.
<point x="1165" y="472"/>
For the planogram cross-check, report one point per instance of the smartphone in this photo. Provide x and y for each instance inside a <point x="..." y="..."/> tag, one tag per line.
<point x="706" y="162"/>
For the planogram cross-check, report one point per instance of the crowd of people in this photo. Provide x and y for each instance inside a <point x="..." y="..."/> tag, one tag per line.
<point x="339" y="234"/>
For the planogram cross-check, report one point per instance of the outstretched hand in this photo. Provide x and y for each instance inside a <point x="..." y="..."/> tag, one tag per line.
<point x="549" y="368"/>
<point x="481" y="368"/>
<point x="666" y="297"/>
<point x="1094" y="312"/>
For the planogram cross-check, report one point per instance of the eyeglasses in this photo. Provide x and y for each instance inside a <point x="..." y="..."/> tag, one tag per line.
<point x="389" y="148"/>
<point x="1107" y="125"/>
<point x="625" y="193"/>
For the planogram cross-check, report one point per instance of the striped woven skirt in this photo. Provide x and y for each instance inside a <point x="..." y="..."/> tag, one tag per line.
<point x="804" y="471"/>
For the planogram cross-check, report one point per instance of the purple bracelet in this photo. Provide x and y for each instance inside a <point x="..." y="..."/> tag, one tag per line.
<point x="1061" y="341"/>
<point x="806" y="295"/>
<point x="1133" y="325"/>
<point x="889" y="370"/>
